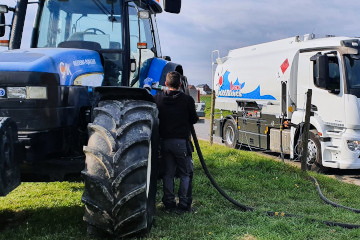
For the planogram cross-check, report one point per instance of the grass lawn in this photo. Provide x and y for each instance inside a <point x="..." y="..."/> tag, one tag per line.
<point x="54" y="210"/>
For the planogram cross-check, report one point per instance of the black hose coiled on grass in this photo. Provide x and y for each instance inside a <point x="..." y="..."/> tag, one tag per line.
<point x="212" y="180"/>
<point x="334" y="204"/>
<point x="248" y="208"/>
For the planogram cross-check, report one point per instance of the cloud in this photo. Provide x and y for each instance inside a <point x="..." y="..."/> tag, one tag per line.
<point x="205" y="25"/>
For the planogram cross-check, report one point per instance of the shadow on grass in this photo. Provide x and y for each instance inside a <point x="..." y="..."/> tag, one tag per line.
<point x="43" y="223"/>
<point x="11" y="219"/>
<point x="31" y="177"/>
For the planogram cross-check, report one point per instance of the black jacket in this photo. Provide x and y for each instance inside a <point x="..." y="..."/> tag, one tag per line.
<point x="176" y="114"/>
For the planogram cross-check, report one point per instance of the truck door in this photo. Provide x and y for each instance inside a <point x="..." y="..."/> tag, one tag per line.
<point x="327" y="101"/>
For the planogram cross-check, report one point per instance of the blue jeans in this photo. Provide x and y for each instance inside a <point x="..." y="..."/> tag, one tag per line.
<point x="178" y="162"/>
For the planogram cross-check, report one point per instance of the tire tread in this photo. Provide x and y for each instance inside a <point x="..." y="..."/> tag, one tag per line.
<point x="115" y="203"/>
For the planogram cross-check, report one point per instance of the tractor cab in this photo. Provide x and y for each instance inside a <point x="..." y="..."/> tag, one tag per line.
<point x="123" y="32"/>
<point x="80" y="51"/>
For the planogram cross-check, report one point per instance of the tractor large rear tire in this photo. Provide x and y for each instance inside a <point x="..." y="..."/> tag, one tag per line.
<point x="120" y="174"/>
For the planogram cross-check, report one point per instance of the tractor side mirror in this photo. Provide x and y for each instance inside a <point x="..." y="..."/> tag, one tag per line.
<point x="132" y="65"/>
<point x="172" y="6"/>
<point x="2" y="24"/>
<point x="167" y="58"/>
<point x="4" y="9"/>
<point x="143" y="14"/>
<point x="321" y="70"/>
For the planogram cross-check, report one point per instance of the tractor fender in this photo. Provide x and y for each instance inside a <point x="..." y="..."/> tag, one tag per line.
<point x="170" y="67"/>
<point x="157" y="68"/>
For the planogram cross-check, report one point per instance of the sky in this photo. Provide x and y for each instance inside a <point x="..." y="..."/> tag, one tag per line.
<point x="206" y="25"/>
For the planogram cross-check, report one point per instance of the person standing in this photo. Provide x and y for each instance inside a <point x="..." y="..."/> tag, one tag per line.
<point x="177" y="114"/>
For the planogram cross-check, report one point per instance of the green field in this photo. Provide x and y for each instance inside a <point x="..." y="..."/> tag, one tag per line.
<point x="54" y="210"/>
<point x="207" y="100"/>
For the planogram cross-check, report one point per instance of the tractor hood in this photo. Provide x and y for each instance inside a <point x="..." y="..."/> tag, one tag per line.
<point x="69" y="64"/>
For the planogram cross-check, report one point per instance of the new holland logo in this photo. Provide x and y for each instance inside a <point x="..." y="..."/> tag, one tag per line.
<point x="2" y="92"/>
<point x="64" y="69"/>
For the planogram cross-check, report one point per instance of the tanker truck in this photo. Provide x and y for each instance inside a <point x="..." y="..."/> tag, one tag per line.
<point x="265" y="87"/>
<point x="77" y="93"/>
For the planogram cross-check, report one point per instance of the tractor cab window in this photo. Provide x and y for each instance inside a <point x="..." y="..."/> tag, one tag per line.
<point x="142" y="43"/>
<point x="157" y="38"/>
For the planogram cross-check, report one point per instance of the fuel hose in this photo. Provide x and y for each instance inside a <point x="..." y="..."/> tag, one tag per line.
<point x="334" y="204"/>
<point x="244" y="207"/>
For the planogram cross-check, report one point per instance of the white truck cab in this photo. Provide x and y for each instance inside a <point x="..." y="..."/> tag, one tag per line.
<point x="265" y="86"/>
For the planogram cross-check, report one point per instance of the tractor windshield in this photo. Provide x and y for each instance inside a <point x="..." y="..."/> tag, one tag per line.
<point x="95" y="21"/>
<point x="91" y="24"/>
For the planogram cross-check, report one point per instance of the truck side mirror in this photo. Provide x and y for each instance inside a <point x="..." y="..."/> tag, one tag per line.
<point x="321" y="71"/>
<point x="172" y="6"/>
<point x="2" y="24"/>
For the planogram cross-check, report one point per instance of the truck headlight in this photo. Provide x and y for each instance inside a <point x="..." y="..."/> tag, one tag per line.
<point x="36" y="93"/>
<point x="16" y="92"/>
<point x="353" y="145"/>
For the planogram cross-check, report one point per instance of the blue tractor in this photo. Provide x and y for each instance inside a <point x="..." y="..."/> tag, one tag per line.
<point x="77" y="94"/>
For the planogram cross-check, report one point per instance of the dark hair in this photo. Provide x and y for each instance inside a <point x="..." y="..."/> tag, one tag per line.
<point x="173" y="79"/>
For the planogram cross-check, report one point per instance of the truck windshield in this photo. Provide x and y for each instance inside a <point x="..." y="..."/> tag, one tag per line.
<point x="352" y="65"/>
<point x="95" y="21"/>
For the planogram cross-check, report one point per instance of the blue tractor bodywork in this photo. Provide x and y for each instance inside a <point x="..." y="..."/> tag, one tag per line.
<point x="77" y="94"/>
<point x="50" y="89"/>
<point x="68" y="64"/>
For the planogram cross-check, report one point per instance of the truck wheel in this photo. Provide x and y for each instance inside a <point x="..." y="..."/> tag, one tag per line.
<point x="314" y="158"/>
<point x="230" y="134"/>
<point x="9" y="165"/>
<point x="120" y="177"/>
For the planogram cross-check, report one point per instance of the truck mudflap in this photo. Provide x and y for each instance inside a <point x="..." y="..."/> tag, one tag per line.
<point x="9" y="152"/>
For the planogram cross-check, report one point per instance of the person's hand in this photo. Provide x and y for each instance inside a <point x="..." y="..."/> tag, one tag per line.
<point x="150" y="83"/>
